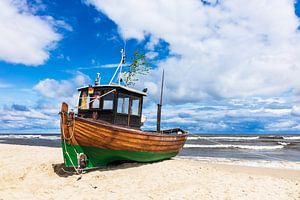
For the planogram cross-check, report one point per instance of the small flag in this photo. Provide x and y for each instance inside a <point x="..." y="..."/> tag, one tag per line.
<point x="91" y="90"/>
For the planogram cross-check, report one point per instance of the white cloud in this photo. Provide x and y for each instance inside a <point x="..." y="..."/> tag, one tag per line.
<point x="151" y="54"/>
<point x="232" y="49"/>
<point x="5" y="85"/>
<point x="58" y="23"/>
<point x="222" y="116"/>
<point x="282" y="125"/>
<point x="112" y="65"/>
<point x="26" y="38"/>
<point x="152" y="43"/>
<point x="81" y="79"/>
<point x="55" y="89"/>
<point x="42" y="116"/>
<point x="20" y="118"/>
<point x="51" y="92"/>
<point x="296" y="110"/>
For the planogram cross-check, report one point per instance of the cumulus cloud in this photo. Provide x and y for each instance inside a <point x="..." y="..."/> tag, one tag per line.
<point x="42" y="115"/>
<point x="224" y="116"/>
<point x="296" y="111"/>
<point x="54" y="89"/>
<point x="26" y="38"/>
<point x="225" y="48"/>
<point x="52" y="93"/>
<point x="21" y="118"/>
<point x="59" y="89"/>
<point x="283" y="125"/>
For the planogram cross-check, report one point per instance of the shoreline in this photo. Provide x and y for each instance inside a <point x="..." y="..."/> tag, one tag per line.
<point x="271" y="164"/>
<point x="264" y="163"/>
<point x="33" y="172"/>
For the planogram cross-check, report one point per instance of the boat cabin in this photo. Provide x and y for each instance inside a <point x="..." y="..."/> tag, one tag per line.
<point x="115" y="104"/>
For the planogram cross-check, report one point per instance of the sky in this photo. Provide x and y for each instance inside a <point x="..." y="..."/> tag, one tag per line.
<point x="230" y="66"/>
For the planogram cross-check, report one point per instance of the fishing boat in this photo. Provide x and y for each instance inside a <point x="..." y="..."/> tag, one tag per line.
<point x="107" y="128"/>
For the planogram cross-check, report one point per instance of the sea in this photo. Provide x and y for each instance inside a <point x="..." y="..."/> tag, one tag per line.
<point x="226" y="147"/>
<point x="243" y="147"/>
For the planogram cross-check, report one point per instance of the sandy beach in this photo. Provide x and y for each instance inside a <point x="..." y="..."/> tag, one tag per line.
<point x="31" y="172"/>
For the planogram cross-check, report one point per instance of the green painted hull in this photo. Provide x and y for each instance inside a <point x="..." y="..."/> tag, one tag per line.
<point x="98" y="157"/>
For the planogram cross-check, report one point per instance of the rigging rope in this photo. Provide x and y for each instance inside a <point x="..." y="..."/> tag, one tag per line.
<point x="97" y="98"/>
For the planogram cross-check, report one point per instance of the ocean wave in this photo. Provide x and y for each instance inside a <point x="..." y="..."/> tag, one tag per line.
<point x="277" y="164"/>
<point x="283" y="143"/>
<point x="50" y="137"/>
<point x="291" y="137"/>
<point x="222" y="138"/>
<point x="19" y="136"/>
<point x="46" y="137"/>
<point x="271" y="137"/>
<point x="224" y="146"/>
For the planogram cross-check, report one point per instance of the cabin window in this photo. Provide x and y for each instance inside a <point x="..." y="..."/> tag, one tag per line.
<point x="123" y="103"/>
<point x="135" y="106"/>
<point x="96" y="101"/>
<point x="108" y="101"/>
<point x="85" y="100"/>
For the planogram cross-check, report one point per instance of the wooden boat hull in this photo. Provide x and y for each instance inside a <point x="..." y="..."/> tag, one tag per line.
<point x="103" y="143"/>
<point x="101" y="157"/>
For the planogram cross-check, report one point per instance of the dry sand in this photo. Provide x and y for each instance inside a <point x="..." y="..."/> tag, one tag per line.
<point x="28" y="172"/>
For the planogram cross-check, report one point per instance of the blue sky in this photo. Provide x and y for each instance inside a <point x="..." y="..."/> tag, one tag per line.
<point x="231" y="66"/>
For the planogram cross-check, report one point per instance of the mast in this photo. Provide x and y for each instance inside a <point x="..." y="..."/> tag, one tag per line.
<point x="160" y="103"/>
<point x="119" y="68"/>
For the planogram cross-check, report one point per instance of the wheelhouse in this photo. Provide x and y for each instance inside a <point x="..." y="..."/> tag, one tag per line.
<point x="115" y="104"/>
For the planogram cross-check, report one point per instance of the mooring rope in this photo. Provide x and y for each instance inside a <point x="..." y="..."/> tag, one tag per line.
<point x="71" y="135"/>
<point x="66" y="152"/>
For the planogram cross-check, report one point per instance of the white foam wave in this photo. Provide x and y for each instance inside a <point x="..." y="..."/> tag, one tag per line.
<point x="283" y="143"/>
<point x="222" y="138"/>
<point x="19" y="136"/>
<point x="291" y="137"/>
<point x="234" y="146"/>
<point x="251" y="163"/>
<point x="50" y="137"/>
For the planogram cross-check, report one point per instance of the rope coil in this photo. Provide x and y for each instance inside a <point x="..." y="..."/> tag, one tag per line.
<point x="69" y="123"/>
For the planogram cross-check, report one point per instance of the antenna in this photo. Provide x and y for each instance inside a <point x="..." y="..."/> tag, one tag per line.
<point x="123" y="61"/>
<point x="98" y="78"/>
<point x="160" y="102"/>
<point x="119" y="68"/>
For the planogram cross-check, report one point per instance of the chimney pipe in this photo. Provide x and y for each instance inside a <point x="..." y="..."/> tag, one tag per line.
<point x="160" y="103"/>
